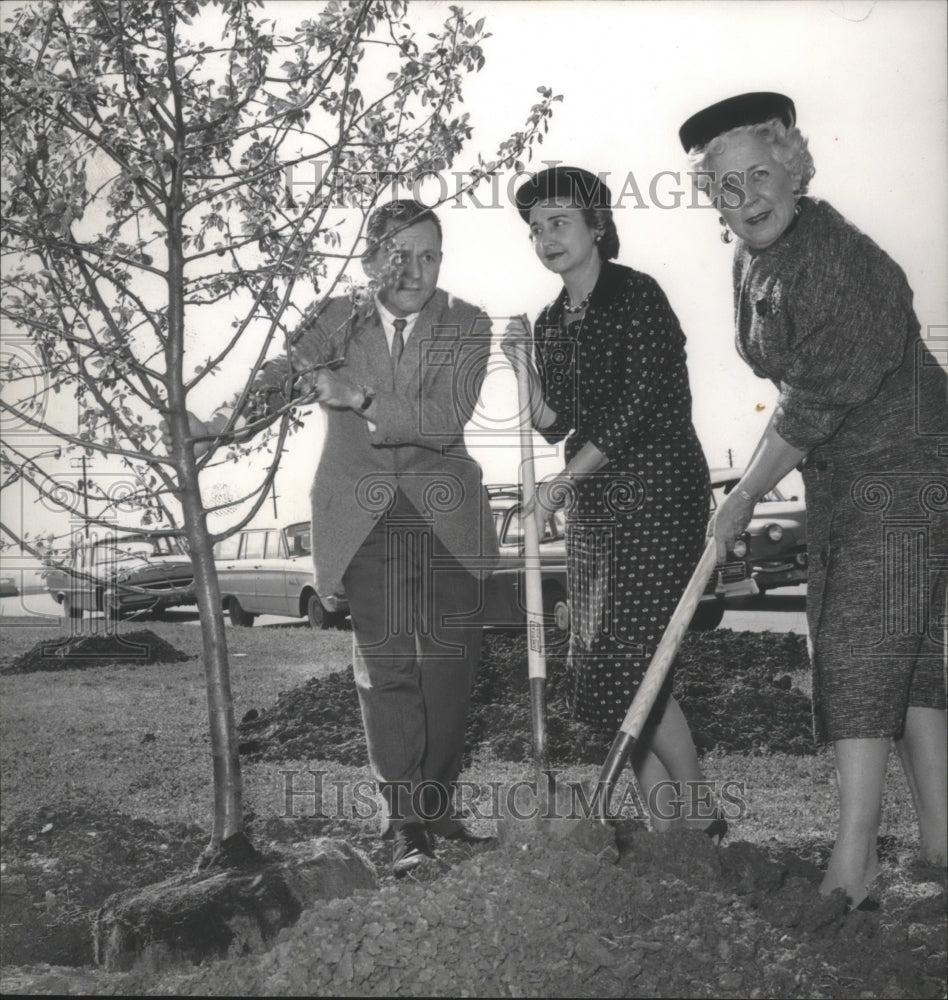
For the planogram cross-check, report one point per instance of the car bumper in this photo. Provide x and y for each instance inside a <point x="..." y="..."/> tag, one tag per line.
<point x="787" y="577"/>
<point x="165" y="597"/>
<point x="787" y="572"/>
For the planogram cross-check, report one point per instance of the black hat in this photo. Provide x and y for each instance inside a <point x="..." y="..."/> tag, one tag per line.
<point x="584" y="189"/>
<point x="745" y="109"/>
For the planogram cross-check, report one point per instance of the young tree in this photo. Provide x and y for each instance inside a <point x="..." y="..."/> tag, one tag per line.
<point x="174" y="175"/>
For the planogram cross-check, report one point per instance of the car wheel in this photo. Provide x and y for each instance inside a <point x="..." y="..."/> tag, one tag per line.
<point x="319" y="617"/>
<point x="69" y="609"/>
<point x="239" y="617"/>
<point x="555" y="606"/>
<point x="708" y="616"/>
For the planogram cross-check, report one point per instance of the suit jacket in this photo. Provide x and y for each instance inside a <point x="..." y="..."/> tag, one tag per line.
<point x="415" y="442"/>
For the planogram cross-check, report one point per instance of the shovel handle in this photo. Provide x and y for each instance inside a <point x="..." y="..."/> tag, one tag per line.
<point x="644" y="700"/>
<point x="536" y="652"/>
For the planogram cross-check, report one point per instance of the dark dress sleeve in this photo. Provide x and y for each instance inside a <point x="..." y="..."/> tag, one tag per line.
<point x="851" y="313"/>
<point x="555" y="356"/>
<point x="646" y="344"/>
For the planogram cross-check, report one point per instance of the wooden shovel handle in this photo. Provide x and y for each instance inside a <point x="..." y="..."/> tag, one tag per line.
<point x="664" y="654"/>
<point x="652" y="682"/>
<point x="536" y="653"/>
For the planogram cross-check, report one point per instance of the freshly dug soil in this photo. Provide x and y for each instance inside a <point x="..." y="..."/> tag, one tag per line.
<point x="674" y="918"/>
<point x="659" y="916"/>
<point x="734" y="688"/>
<point x="82" y="652"/>
<point x="655" y="916"/>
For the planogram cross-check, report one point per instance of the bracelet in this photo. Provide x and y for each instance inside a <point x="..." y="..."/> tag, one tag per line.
<point x="744" y="495"/>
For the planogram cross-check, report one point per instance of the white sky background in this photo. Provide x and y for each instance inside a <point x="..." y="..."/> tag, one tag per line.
<point x="868" y="81"/>
<point x="869" y="84"/>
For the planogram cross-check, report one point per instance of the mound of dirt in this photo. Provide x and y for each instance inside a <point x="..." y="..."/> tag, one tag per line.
<point x="96" y="650"/>
<point x="658" y="916"/>
<point x="674" y="917"/>
<point x="734" y="687"/>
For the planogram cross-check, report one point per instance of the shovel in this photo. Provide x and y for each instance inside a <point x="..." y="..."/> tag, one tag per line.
<point x="536" y="651"/>
<point x="652" y="682"/>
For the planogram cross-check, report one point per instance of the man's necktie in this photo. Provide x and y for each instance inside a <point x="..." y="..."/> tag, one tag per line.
<point x="398" y="342"/>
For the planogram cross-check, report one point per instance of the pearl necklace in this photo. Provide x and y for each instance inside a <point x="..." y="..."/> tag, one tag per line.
<point x="571" y="309"/>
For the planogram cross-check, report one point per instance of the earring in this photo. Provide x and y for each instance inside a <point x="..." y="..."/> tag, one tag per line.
<point x="598" y="238"/>
<point x="797" y="210"/>
<point x="725" y="232"/>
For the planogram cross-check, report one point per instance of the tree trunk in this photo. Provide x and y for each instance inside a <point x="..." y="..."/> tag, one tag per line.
<point x="228" y="806"/>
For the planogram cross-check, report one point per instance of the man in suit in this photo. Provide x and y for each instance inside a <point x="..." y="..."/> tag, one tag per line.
<point x="401" y="520"/>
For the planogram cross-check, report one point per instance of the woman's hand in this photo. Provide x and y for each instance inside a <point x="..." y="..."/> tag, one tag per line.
<point x="729" y="521"/>
<point x="549" y="496"/>
<point x="517" y="343"/>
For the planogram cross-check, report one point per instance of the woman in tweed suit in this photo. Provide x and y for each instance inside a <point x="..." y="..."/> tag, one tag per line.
<point x="825" y="314"/>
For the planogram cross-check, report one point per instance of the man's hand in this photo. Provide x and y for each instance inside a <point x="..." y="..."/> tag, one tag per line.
<point x="198" y="428"/>
<point x="333" y="389"/>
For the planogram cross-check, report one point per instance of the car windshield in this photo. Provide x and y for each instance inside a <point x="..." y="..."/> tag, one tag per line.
<point x="298" y="537"/>
<point x="127" y="547"/>
<point x="510" y="530"/>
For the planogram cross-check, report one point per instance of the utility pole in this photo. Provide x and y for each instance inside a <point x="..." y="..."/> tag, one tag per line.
<point x="83" y="484"/>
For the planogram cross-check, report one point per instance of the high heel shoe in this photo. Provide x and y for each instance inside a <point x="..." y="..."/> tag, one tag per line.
<point x="867" y="905"/>
<point x="716" y="830"/>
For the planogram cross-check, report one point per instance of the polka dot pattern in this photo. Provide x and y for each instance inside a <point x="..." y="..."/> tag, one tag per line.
<point x="635" y="530"/>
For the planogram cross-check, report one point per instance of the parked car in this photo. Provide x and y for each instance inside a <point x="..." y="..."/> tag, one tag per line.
<point x="119" y="573"/>
<point x="773" y="547"/>
<point x="8" y="587"/>
<point x="269" y="571"/>
<point x="506" y="591"/>
<point x="505" y="598"/>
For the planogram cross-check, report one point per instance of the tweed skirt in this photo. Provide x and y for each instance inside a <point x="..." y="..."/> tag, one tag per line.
<point x="876" y="597"/>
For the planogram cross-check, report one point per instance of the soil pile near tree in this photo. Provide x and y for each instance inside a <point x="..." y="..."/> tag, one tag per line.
<point x="734" y="687"/>
<point x="102" y="649"/>
<point x="674" y="917"/>
<point x="654" y="916"/>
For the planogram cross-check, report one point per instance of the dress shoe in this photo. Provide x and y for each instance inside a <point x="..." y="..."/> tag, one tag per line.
<point x="412" y="848"/>
<point x="462" y="835"/>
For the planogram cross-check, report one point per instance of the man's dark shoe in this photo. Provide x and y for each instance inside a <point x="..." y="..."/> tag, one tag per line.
<point x="464" y="836"/>
<point x="412" y="848"/>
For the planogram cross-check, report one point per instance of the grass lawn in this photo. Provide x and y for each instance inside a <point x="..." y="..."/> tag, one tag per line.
<point x="135" y="739"/>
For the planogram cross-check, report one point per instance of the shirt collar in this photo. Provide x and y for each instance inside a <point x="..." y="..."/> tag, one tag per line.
<point x="388" y="321"/>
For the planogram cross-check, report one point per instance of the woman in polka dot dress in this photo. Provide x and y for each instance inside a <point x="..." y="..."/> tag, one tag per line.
<point x="608" y="374"/>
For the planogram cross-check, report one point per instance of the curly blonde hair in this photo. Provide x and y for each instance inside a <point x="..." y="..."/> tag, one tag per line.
<point x="788" y="147"/>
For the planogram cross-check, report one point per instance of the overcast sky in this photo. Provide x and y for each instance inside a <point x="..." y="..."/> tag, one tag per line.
<point x="868" y="81"/>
